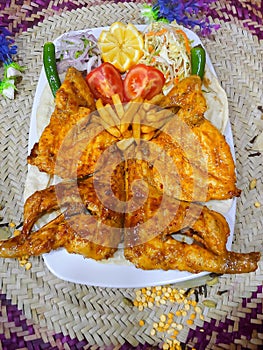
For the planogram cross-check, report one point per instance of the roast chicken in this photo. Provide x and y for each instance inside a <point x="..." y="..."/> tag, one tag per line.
<point x="136" y="179"/>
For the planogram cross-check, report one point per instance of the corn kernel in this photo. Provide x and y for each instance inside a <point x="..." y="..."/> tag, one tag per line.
<point x="180" y="327"/>
<point x="189" y="322"/>
<point x="12" y="224"/>
<point x="150" y="305"/>
<point x="153" y="332"/>
<point x="28" y="266"/>
<point x="16" y="233"/>
<point x="141" y="323"/>
<point x="163" y="318"/>
<point x="197" y="309"/>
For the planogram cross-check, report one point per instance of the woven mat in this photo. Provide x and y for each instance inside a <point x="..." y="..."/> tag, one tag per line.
<point x="37" y="310"/>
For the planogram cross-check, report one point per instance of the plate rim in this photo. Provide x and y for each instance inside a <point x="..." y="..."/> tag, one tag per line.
<point x="50" y="258"/>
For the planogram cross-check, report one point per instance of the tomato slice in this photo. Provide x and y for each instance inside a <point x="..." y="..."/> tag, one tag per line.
<point x="144" y="81"/>
<point x="105" y="81"/>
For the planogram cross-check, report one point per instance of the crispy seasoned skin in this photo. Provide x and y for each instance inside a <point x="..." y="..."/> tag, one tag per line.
<point x="193" y="156"/>
<point x="151" y="233"/>
<point x="141" y="193"/>
<point x="72" y="142"/>
<point x="83" y="225"/>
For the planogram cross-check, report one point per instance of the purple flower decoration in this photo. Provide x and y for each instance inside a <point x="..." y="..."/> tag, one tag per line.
<point x="191" y="14"/>
<point x="7" y="47"/>
<point x="11" y="69"/>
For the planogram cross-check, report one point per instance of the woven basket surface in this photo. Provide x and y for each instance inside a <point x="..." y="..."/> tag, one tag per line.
<point x="99" y="316"/>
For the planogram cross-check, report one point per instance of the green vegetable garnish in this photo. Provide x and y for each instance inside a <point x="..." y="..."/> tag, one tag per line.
<point x="198" y="60"/>
<point x="49" y="61"/>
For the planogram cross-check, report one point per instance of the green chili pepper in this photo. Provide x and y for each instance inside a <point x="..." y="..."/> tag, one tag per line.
<point x="198" y="60"/>
<point x="49" y="60"/>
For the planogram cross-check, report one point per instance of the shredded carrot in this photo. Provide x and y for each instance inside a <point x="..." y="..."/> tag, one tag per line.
<point x="176" y="80"/>
<point x="186" y="40"/>
<point x="160" y="32"/>
<point x="150" y="48"/>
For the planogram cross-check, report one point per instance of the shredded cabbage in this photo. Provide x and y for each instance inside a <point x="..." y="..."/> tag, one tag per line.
<point x="78" y="50"/>
<point x="166" y="47"/>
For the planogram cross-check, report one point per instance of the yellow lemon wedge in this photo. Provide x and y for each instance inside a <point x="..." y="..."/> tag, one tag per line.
<point x="121" y="45"/>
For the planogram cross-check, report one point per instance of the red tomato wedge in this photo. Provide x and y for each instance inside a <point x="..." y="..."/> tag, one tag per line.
<point x="105" y="81"/>
<point x="144" y="81"/>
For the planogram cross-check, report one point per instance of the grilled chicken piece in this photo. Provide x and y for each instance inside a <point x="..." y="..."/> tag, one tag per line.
<point x="72" y="142"/>
<point x="154" y="220"/>
<point x="84" y="223"/>
<point x="189" y="156"/>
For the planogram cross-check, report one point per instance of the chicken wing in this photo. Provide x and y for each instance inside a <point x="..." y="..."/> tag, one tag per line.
<point x="83" y="223"/>
<point x="190" y="157"/>
<point x="152" y="228"/>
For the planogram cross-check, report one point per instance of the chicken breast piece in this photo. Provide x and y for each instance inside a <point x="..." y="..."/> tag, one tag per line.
<point x="154" y="220"/>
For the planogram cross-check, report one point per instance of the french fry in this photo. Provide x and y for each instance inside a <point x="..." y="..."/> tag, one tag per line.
<point x="112" y="114"/>
<point x="102" y="111"/>
<point x="145" y="129"/>
<point x="118" y="105"/>
<point x="148" y="136"/>
<point x="125" y="143"/>
<point x="113" y="130"/>
<point x="156" y="116"/>
<point x="127" y="134"/>
<point x="136" y="128"/>
<point x="129" y="113"/>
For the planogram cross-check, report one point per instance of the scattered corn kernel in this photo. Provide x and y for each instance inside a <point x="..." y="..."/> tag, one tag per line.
<point x="257" y="205"/>
<point x="253" y="184"/>
<point x="141" y="323"/>
<point x="12" y="224"/>
<point x="28" y="266"/>
<point x="163" y="318"/>
<point x="153" y="332"/>
<point x="198" y="310"/>
<point x="16" y="233"/>
<point x="162" y="295"/>
<point x="150" y="304"/>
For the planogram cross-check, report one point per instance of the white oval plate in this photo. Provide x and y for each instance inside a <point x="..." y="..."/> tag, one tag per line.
<point x="75" y="268"/>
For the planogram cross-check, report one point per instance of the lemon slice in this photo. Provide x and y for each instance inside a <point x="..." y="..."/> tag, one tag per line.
<point x="121" y="45"/>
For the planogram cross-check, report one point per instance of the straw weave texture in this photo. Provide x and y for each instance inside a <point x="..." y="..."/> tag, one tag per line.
<point x="99" y="315"/>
